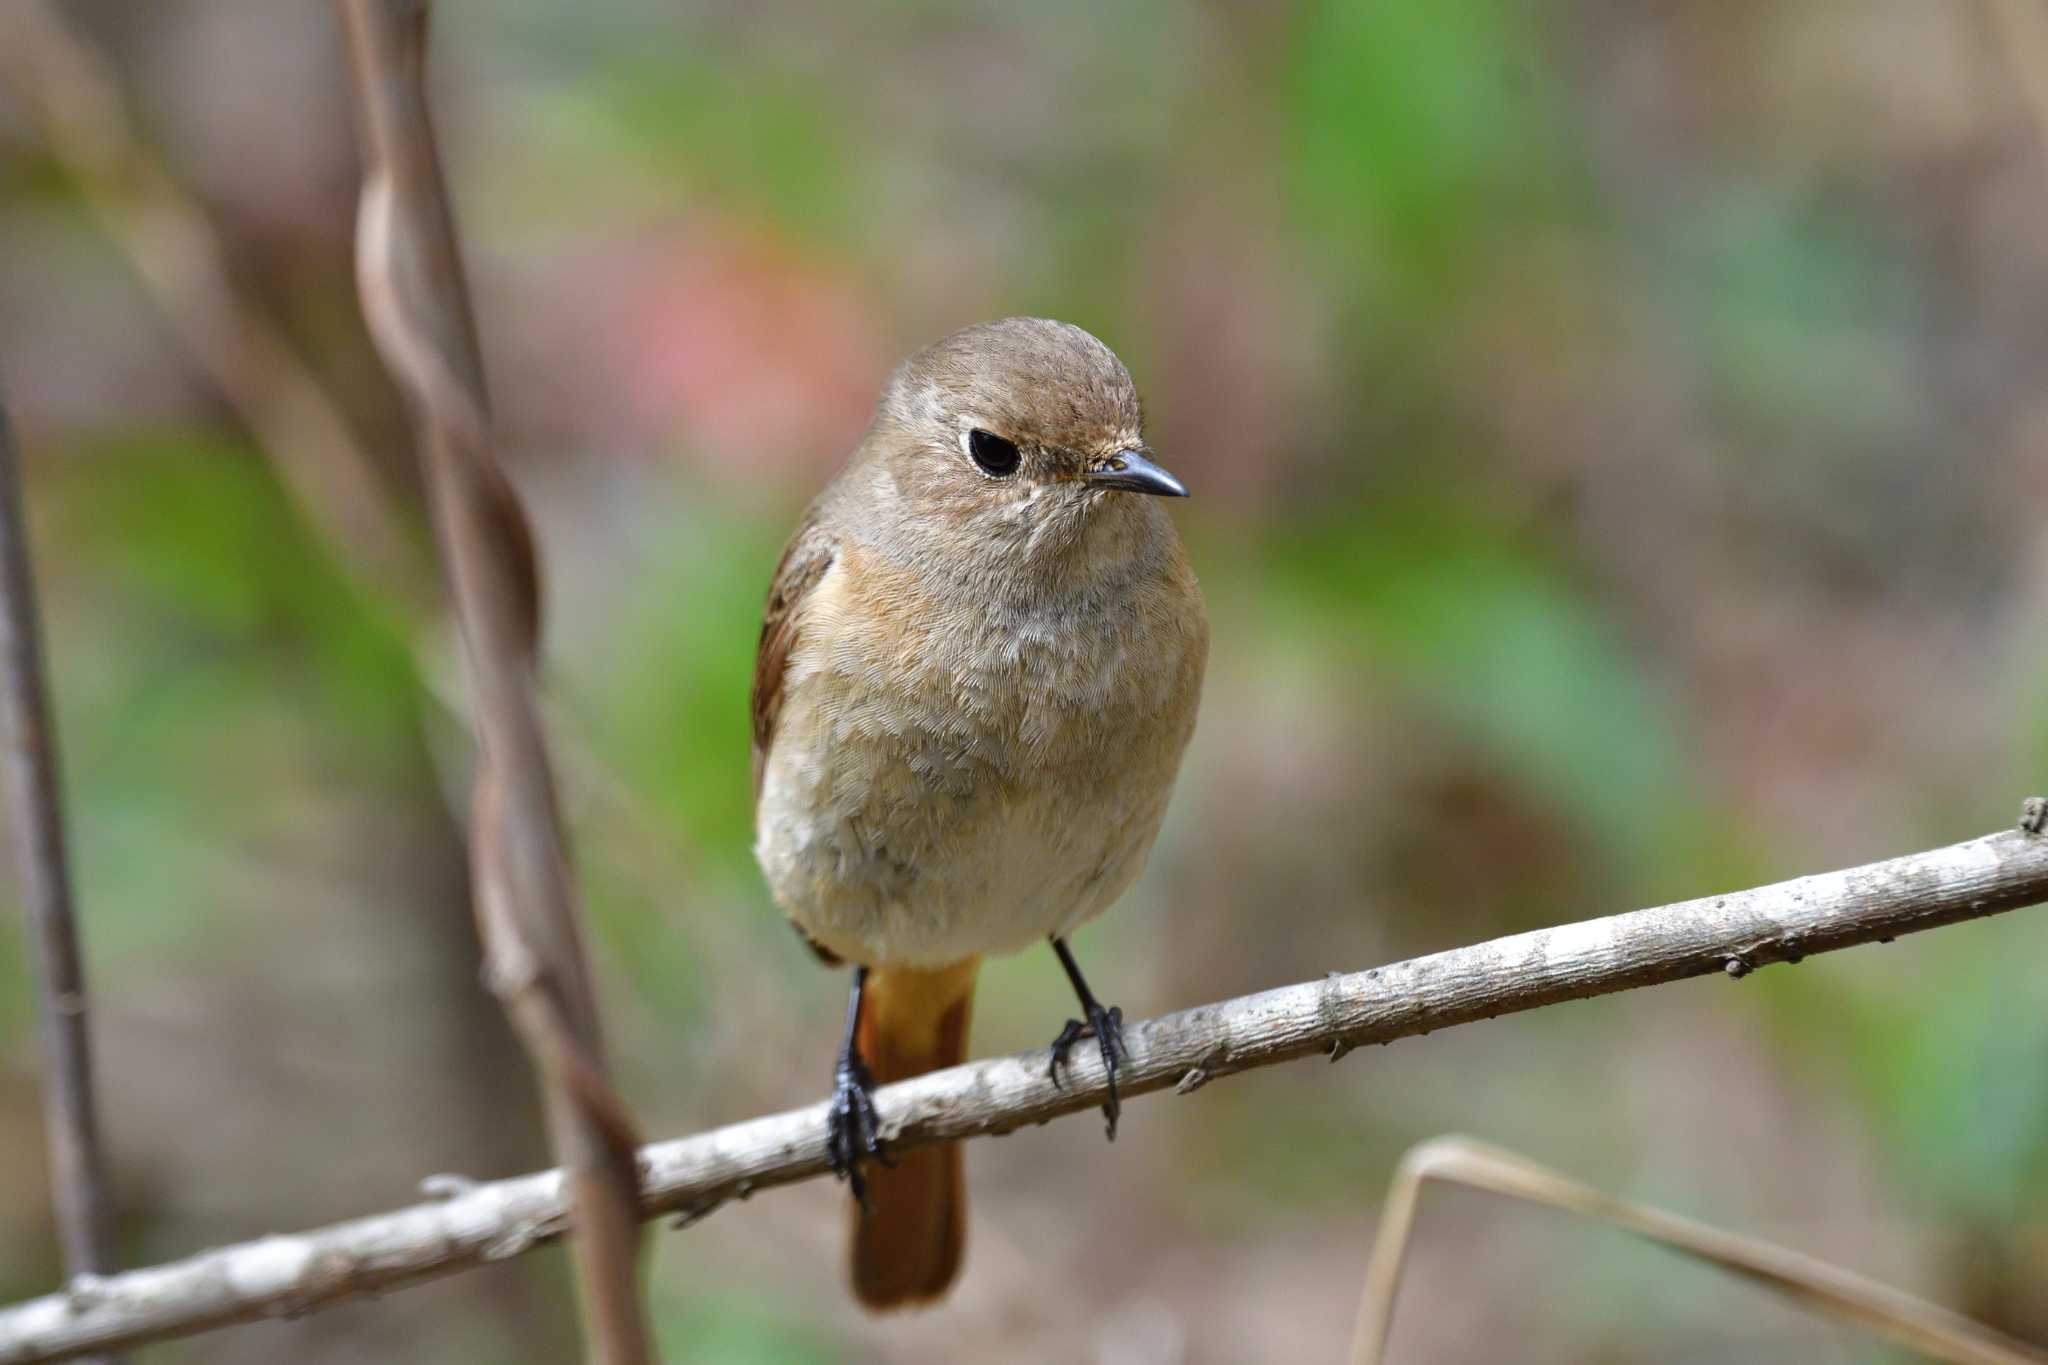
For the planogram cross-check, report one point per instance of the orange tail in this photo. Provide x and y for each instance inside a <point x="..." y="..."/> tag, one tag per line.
<point x="906" y="1249"/>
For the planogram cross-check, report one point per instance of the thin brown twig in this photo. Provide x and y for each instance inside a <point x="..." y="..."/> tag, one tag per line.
<point x="474" y="1224"/>
<point x="416" y="300"/>
<point x="78" y="1176"/>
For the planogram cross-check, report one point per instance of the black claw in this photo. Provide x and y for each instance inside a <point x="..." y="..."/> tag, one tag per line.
<point x="852" y="1129"/>
<point x="1106" y="1027"/>
<point x="1073" y="1033"/>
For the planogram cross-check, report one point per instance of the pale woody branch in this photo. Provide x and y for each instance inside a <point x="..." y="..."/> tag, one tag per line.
<point x="1733" y="934"/>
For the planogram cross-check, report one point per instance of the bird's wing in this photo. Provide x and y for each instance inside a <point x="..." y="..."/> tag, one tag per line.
<point x="809" y="554"/>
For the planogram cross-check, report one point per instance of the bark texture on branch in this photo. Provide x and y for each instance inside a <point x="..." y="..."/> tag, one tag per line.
<point x="416" y="301"/>
<point x="1732" y="934"/>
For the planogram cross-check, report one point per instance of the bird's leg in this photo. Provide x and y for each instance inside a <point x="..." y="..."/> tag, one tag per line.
<point x="1105" y="1026"/>
<point x="851" y="1134"/>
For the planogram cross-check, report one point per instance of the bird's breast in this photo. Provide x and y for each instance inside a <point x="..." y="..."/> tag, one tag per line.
<point x="951" y="769"/>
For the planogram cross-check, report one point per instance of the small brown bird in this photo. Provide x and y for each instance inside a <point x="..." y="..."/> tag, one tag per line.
<point x="979" y="667"/>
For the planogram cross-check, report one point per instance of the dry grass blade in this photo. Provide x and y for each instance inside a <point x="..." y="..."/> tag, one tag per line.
<point x="416" y="300"/>
<point x="1825" y="1288"/>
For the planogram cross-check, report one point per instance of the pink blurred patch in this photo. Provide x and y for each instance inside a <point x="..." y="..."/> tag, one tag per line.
<point x="762" y="358"/>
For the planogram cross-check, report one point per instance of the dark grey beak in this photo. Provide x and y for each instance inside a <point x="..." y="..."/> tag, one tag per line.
<point x="1132" y="472"/>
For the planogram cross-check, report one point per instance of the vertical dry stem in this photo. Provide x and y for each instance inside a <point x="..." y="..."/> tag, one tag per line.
<point x="416" y="301"/>
<point x="77" y="1164"/>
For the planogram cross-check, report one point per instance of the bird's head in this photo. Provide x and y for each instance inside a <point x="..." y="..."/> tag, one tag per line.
<point x="1017" y="436"/>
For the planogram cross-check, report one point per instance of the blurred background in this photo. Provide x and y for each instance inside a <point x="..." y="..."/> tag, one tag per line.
<point x="1621" y="472"/>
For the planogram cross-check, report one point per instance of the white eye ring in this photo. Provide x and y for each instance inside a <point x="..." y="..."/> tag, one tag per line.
<point x="996" y="456"/>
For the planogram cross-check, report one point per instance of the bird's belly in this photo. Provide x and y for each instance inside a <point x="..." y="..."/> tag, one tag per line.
<point x="898" y="831"/>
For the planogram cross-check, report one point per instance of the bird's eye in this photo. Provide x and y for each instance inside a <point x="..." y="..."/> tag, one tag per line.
<point x="997" y="457"/>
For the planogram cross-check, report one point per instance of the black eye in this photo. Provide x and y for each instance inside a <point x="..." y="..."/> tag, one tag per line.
<point x="995" y="455"/>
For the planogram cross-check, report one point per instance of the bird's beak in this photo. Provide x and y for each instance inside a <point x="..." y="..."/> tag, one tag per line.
<point x="1132" y="472"/>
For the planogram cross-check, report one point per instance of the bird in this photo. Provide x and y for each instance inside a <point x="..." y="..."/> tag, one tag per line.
<point x="979" y="666"/>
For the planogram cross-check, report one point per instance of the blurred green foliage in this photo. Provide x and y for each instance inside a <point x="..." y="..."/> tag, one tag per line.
<point x="674" y="113"/>
<point x="1494" y="632"/>
<point x="228" y="653"/>
<point x="1422" y="136"/>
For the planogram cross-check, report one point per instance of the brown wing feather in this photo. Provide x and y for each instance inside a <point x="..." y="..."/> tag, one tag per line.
<point x="809" y="553"/>
<point x="804" y="560"/>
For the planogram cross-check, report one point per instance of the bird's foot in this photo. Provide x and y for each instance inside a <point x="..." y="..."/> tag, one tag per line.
<point x="1106" y="1027"/>
<point x="852" y="1130"/>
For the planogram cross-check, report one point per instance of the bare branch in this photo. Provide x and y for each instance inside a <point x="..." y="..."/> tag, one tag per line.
<point x="1731" y="935"/>
<point x="77" y="1164"/>
<point x="416" y="300"/>
<point x="1927" y="1328"/>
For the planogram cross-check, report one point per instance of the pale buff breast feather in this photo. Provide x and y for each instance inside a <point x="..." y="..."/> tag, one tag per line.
<point x="945" y="784"/>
